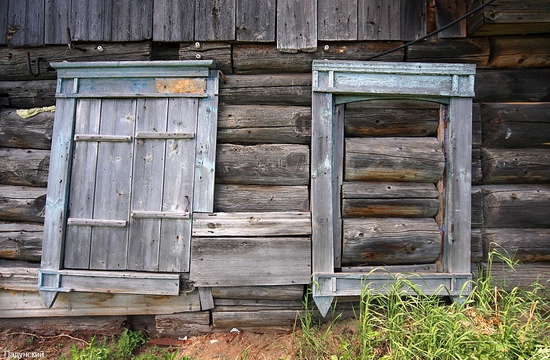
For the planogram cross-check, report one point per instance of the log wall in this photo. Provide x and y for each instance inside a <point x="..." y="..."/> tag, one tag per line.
<point x="264" y="130"/>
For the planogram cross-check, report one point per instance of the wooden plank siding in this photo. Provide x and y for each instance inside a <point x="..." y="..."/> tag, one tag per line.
<point x="255" y="20"/>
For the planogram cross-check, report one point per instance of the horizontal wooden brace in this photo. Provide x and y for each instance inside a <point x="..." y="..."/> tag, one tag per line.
<point x="110" y="282"/>
<point x="160" y="215"/>
<point x="164" y="135"/>
<point x="110" y="138"/>
<point x="96" y="222"/>
<point x="120" y="95"/>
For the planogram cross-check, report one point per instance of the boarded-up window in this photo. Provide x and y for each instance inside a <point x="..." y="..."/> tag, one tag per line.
<point x="133" y="156"/>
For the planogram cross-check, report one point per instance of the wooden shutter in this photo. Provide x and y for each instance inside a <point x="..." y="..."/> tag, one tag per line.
<point x="133" y="157"/>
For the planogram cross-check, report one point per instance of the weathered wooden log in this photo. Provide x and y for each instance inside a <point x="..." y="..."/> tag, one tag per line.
<point x="234" y="304"/>
<point x="273" y="89"/>
<point x="217" y="51"/>
<point x="13" y="61"/>
<point x="250" y="261"/>
<point x="476" y="254"/>
<point x="520" y="51"/>
<point x="468" y="50"/>
<point x="523" y="276"/>
<point x="390" y="241"/>
<point x="393" y="159"/>
<point x="282" y="292"/>
<point x="242" y="124"/>
<point x="512" y="85"/>
<point x="516" y="125"/>
<point x="251" y="198"/>
<point x="518" y="166"/>
<point x="21" y="241"/>
<point x="281" y="164"/>
<point x="21" y="203"/>
<point x="32" y="133"/>
<point x="516" y="206"/>
<point x="477" y="207"/>
<point x="24" y="167"/>
<point x="279" y="319"/>
<point x="373" y="199"/>
<point x="104" y="325"/>
<point x="391" y="122"/>
<point x="477" y="168"/>
<point x="526" y="245"/>
<point x="392" y="104"/>
<point x="18" y="275"/>
<point x="183" y="324"/>
<point x="28" y="94"/>
<point x="509" y="17"/>
<point x="265" y="58"/>
<point x="476" y="125"/>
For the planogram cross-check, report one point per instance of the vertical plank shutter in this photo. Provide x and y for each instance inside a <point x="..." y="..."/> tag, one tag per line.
<point x="141" y="132"/>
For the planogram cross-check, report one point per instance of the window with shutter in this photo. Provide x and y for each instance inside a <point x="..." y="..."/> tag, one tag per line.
<point x="133" y="155"/>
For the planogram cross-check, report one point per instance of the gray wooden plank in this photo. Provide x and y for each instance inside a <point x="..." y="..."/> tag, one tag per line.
<point x="297" y="25"/>
<point x="322" y="183"/>
<point x="447" y="11"/>
<point x="146" y="193"/>
<point x="207" y="300"/>
<point x="337" y="19"/>
<point x="25" y="23"/>
<point x="3" y="21"/>
<point x="57" y="193"/>
<point x="114" y="176"/>
<point x="133" y="20"/>
<point x="215" y="20"/>
<point x="175" y="245"/>
<point x="413" y="19"/>
<point x="78" y="238"/>
<point x="250" y="261"/>
<point x="58" y="19"/>
<point x="457" y="247"/>
<point x="173" y="20"/>
<point x="379" y="20"/>
<point x="205" y="153"/>
<point x="91" y="20"/>
<point x="338" y="178"/>
<point x="255" y="20"/>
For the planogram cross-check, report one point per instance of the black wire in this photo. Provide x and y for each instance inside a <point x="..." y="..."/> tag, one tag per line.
<point x="433" y="32"/>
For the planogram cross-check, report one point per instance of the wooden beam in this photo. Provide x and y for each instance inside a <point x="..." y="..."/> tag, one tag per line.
<point x="521" y="85"/>
<point x="31" y="133"/>
<point x="520" y="244"/>
<point x="256" y="198"/>
<point x="296" y="25"/>
<point x="519" y="166"/>
<point x="24" y="167"/>
<point x="21" y="203"/>
<point x="21" y="241"/>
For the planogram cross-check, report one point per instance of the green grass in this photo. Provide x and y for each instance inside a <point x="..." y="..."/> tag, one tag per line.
<point x="490" y="323"/>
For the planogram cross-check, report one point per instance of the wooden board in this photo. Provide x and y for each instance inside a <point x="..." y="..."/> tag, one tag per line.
<point x="522" y="276"/>
<point x="24" y="167"/>
<point x="393" y="159"/>
<point x="3" y="22"/>
<point x="529" y="85"/>
<point x="173" y="20"/>
<point x="516" y="125"/>
<point x="13" y="62"/>
<point x="250" y="261"/>
<point x="515" y="166"/>
<point x="281" y="292"/>
<point x="379" y="20"/>
<point x="32" y="133"/>
<point x="21" y="241"/>
<point x="520" y="51"/>
<point x="265" y="59"/>
<point x="279" y="89"/>
<point x="447" y="11"/>
<point x="21" y="203"/>
<point x="248" y="320"/>
<point x="512" y="206"/>
<point x="255" y="20"/>
<point x="254" y="198"/>
<point x="91" y="28"/>
<point x="525" y="245"/>
<point x="215" y="20"/>
<point x="183" y="324"/>
<point x="58" y="19"/>
<point x="29" y="304"/>
<point x="336" y="20"/>
<point x="25" y="23"/>
<point x="296" y="25"/>
<point x="249" y="124"/>
<point x="125" y="28"/>
<point x="390" y="122"/>
<point x="104" y="325"/>
<point x="281" y="164"/>
<point x="390" y="241"/>
<point x="252" y="224"/>
<point x="18" y="275"/>
<point x="413" y="19"/>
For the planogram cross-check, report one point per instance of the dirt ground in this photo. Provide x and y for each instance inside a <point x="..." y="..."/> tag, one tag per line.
<point x="220" y="345"/>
